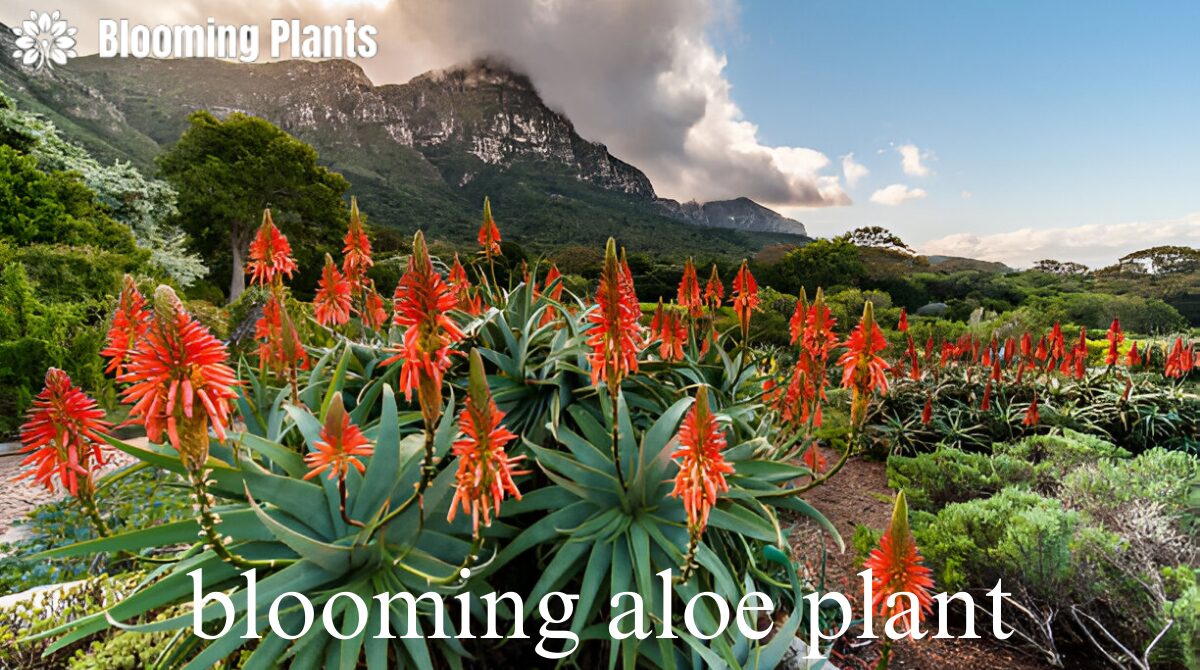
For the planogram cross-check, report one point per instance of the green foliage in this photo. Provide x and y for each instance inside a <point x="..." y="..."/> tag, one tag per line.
<point x="130" y="500"/>
<point x="827" y="263"/>
<point x="39" y="207"/>
<point x="35" y="336"/>
<point x="227" y="172"/>
<point x="932" y="481"/>
<point x="1103" y="486"/>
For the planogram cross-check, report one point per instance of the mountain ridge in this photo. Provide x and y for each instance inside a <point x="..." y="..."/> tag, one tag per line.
<point x="420" y="154"/>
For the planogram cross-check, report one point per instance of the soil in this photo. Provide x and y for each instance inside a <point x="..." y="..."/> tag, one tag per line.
<point x="859" y="494"/>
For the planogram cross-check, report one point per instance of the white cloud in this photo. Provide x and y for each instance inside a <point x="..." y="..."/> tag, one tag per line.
<point x="911" y="160"/>
<point x="896" y="194"/>
<point x="643" y="77"/>
<point x="852" y="170"/>
<point x="1092" y="244"/>
<point x="967" y="195"/>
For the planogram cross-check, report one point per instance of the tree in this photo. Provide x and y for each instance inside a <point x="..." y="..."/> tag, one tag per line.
<point x="1163" y="260"/>
<point x="824" y="263"/>
<point x="227" y="172"/>
<point x="1061" y="268"/>
<point x="877" y="237"/>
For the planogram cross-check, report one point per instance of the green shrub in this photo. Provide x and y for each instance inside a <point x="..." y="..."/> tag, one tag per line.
<point x="1104" y="486"/>
<point x="932" y="481"/>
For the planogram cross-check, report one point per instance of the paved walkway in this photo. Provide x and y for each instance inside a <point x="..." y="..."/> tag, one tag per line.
<point x="17" y="498"/>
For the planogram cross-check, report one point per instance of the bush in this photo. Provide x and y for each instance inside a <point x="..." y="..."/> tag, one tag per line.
<point x="932" y="481"/>
<point x="1104" y="487"/>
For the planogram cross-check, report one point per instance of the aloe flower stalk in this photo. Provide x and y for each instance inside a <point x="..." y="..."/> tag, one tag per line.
<point x="485" y="471"/>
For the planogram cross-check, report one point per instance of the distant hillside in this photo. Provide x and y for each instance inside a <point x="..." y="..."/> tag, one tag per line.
<point x="958" y="263"/>
<point x="420" y="154"/>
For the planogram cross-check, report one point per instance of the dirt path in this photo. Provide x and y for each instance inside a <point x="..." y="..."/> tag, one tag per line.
<point x="859" y="495"/>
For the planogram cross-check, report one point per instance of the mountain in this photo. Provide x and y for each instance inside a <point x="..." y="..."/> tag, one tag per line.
<point x="419" y="154"/>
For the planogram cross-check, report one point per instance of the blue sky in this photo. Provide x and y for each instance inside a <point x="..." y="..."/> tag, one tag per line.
<point x="1049" y="114"/>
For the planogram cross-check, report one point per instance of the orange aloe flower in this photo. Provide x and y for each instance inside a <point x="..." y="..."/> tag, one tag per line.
<point x="702" y="466"/>
<point x="489" y="234"/>
<point x="902" y="326"/>
<point x="279" y="345"/>
<point x="745" y="297"/>
<point x="927" y="411"/>
<point x="356" y="252"/>
<point x="814" y="459"/>
<point x="799" y="318"/>
<point x="485" y="470"/>
<point x="374" y="314"/>
<point x="673" y="335"/>
<point x="423" y="302"/>
<point x="1115" y="337"/>
<point x="1174" y="366"/>
<point x="863" y="370"/>
<point x="331" y="304"/>
<point x="270" y="253"/>
<point x="340" y="446"/>
<point x="129" y="324"/>
<point x="180" y="382"/>
<point x="1133" y="358"/>
<point x="714" y="290"/>
<point x="553" y="288"/>
<point x="986" y="403"/>
<point x="616" y="335"/>
<point x="1031" y="415"/>
<point x="689" y="291"/>
<point x="461" y="286"/>
<point x="897" y="567"/>
<point x="62" y="436"/>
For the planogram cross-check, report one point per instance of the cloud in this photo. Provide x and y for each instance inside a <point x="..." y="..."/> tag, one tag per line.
<point x="1095" y="245"/>
<point x="643" y="77"/>
<point x="910" y="160"/>
<point x="852" y="170"/>
<point x="896" y="194"/>
<point x="967" y="195"/>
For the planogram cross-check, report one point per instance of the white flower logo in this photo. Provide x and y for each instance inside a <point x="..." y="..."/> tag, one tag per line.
<point x="45" y="40"/>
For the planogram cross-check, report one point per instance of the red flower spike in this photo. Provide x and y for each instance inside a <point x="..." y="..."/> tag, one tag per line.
<point x="714" y="290"/>
<point x="180" y="382"/>
<point x="423" y="301"/>
<point x="270" y="253"/>
<point x="897" y="567"/>
<point x="799" y="317"/>
<point x="1133" y="359"/>
<point x="279" y="345"/>
<point x="745" y="297"/>
<point x="130" y="322"/>
<point x="553" y="288"/>
<point x="616" y="334"/>
<point x="986" y="404"/>
<point x="62" y="436"/>
<point x="331" y="304"/>
<point x="489" y="234"/>
<point x="1114" y="337"/>
<point x="702" y="465"/>
<point x="1031" y="415"/>
<point x="689" y="291"/>
<point x="356" y="252"/>
<point x="673" y="335"/>
<point x="341" y="445"/>
<point x="814" y="459"/>
<point x="903" y="325"/>
<point x="374" y="314"/>
<point x="927" y="411"/>
<point x="1175" y="363"/>
<point x="862" y="370"/>
<point x="485" y="471"/>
